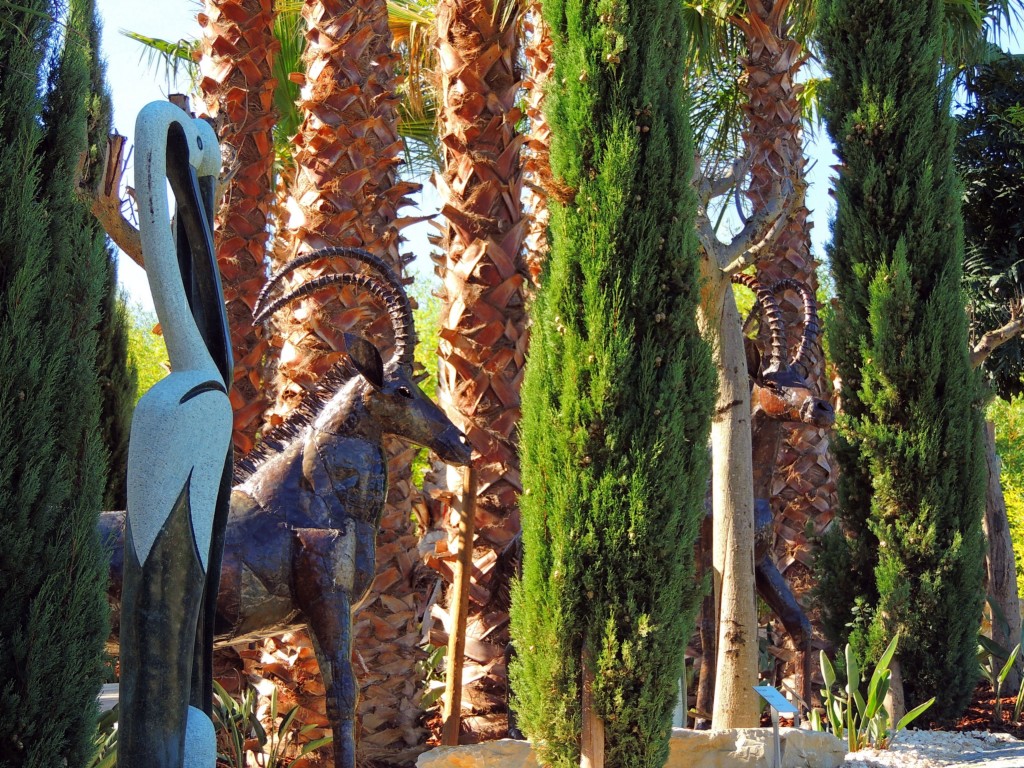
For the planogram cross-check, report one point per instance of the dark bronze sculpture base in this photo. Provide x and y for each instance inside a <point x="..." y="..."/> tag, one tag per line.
<point x="157" y="676"/>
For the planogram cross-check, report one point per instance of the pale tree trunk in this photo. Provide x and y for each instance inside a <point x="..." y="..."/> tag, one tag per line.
<point x="732" y="491"/>
<point x="999" y="562"/>
<point x="895" y="704"/>
<point x="592" y="732"/>
<point x="735" y="704"/>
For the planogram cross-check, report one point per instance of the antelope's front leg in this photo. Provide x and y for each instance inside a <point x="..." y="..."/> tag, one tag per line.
<point x="325" y="565"/>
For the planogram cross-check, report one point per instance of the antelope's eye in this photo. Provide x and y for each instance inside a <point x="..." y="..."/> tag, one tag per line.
<point x="404" y="392"/>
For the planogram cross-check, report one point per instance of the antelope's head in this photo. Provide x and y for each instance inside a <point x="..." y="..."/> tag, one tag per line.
<point x="384" y="397"/>
<point x="780" y="388"/>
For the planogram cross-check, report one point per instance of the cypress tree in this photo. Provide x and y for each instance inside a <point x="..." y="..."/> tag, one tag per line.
<point x="913" y="472"/>
<point x="118" y="382"/>
<point x="118" y="375"/>
<point x="53" y="620"/>
<point x="617" y="393"/>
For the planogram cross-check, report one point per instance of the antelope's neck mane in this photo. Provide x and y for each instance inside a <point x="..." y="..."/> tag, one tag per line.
<point x="295" y="423"/>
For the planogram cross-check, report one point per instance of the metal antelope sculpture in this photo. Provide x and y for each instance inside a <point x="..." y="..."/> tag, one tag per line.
<point x="300" y="541"/>
<point x="780" y="394"/>
<point x="178" y="458"/>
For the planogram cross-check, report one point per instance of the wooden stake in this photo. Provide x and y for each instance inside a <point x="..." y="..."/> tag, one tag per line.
<point x="592" y="738"/>
<point x="462" y="570"/>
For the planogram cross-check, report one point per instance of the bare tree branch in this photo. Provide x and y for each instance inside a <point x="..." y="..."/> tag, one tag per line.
<point x="709" y="188"/>
<point x="994" y="339"/>
<point x="760" y="233"/>
<point x="106" y="205"/>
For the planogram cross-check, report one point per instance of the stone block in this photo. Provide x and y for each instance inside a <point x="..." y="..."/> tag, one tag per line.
<point x="506" y="753"/>
<point x="720" y="749"/>
<point x="811" y="749"/>
<point x="736" y="748"/>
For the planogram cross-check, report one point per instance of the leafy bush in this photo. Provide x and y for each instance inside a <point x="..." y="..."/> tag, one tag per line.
<point x="146" y="349"/>
<point x="105" y="741"/>
<point x="990" y="654"/>
<point x="242" y="740"/>
<point x="241" y="734"/>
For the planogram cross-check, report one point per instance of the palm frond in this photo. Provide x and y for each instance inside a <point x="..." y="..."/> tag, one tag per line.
<point x="714" y="47"/>
<point x="173" y="56"/>
<point x="412" y="26"/>
<point x="810" y="100"/>
<point x="403" y="14"/>
<point x="289" y="29"/>
<point x="974" y="29"/>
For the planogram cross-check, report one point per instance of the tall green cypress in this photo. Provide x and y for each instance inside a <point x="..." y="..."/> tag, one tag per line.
<point x="617" y="394"/>
<point x="118" y="382"/>
<point x="913" y="472"/>
<point x="53" y="618"/>
<point x="118" y="375"/>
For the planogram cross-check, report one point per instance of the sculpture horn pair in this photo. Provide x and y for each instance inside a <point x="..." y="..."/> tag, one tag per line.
<point x="388" y="289"/>
<point x="771" y="314"/>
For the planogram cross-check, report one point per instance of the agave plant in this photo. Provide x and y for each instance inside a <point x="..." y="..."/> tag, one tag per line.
<point x="861" y="717"/>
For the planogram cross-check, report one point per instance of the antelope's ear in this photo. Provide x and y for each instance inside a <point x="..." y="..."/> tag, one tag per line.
<point x="366" y="359"/>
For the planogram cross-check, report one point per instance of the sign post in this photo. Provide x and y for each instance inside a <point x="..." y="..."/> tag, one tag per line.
<point x="777" y="703"/>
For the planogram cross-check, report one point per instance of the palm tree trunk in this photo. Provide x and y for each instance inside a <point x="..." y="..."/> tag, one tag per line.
<point x="346" y="192"/>
<point x="805" y="477"/>
<point x="238" y="48"/>
<point x="483" y="319"/>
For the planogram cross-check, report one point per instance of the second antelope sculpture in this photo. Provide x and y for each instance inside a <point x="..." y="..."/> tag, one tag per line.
<point x="780" y="394"/>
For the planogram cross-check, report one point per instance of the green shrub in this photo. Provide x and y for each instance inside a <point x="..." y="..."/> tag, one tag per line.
<point x="1008" y="417"/>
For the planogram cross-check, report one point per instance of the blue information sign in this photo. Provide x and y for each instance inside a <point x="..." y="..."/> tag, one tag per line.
<point x="776" y="700"/>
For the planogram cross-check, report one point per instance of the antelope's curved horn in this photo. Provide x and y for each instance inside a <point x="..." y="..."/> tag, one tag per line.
<point x="804" y="353"/>
<point x="354" y="254"/>
<point x="400" y="310"/>
<point x="772" y="317"/>
<point x="381" y="291"/>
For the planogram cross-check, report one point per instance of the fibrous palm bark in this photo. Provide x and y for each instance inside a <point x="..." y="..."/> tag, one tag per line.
<point x="537" y="157"/>
<point x="347" y="193"/>
<point x="238" y="47"/>
<point x="483" y="320"/>
<point x="804" y="487"/>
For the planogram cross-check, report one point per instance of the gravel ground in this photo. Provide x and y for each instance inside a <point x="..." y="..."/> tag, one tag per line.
<point x="943" y="749"/>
